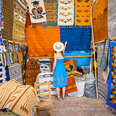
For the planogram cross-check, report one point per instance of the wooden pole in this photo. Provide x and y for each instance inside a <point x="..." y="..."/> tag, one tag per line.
<point x="94" y="49"/>
<point x="64" y="57"/>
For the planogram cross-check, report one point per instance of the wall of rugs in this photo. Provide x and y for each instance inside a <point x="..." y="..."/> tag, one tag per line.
<point x="12" y="61"/>
<point x="14" y="17"/>
<point x="67" y="20"/>
<point x="61" y="12"/>
<point x="19" y="21"/>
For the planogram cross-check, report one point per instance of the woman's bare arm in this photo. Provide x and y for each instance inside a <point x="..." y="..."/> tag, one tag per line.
<point x="65" y="46"/>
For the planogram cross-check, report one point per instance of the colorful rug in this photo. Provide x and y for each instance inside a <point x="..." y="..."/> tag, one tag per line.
<point x="83" y="12"/>
<point x="37" y="11"/>
<point x="71" y="84"/>
<point x="65" y="12"/>
<point x="70" y="67"/>
<point x="51" y="7"/>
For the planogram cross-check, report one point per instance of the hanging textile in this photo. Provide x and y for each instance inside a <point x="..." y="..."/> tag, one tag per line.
<point x="37" y="11"/>
<point x="78" y="38"/>
<point x="32" y="70"/>
<point x="51" y="7"/>
<point x="83" y="12"/>
<point x="0" y="11"/>
<point x="70" y="67"/>
<point x="1" y="16"/>
<point x="100" y="20"/>
<point x="40" y="40"/>
<point x="7" y="73"/>
<point x="24" y="63"/>
<point x="65" y="12"/>
<point x="20" y="57"/>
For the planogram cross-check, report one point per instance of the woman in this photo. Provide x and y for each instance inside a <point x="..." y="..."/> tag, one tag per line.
<point x="60" y="75"/>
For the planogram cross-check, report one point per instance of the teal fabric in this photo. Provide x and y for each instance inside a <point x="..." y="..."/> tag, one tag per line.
<point x="81" y="61"/>
<point x="60" y="75"/>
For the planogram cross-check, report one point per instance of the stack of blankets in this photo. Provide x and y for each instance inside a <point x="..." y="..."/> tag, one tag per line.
<point x="18" y="98"/>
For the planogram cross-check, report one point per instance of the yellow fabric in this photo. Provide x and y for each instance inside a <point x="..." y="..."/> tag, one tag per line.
<point x="83" y="13"/>
<point x="40" y="40"/>
<point x="100" y="20"/>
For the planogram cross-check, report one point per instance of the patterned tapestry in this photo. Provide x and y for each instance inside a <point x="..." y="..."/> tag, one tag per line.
<point x="51" y="7"/>
<point x="83" y="12"/>
<point x="37" y="11"/>
<point x="65" y="12"/>
<point x="70" y="67"/>
<point x="81" y="39"/>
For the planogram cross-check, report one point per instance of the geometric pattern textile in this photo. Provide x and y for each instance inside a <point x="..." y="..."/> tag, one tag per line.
<point x="78" y="37"/>
<point x="51" y="7"/>
<point x="83" y="12"/>
<point x="65" y="12"/>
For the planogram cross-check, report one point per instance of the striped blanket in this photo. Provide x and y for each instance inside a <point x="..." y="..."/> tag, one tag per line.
<point x="17" y="98"/>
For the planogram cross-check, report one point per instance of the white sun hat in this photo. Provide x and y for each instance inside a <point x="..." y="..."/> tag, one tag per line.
<point x="58" y="46"/>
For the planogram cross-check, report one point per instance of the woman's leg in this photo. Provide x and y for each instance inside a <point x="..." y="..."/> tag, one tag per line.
<point x="63" y="92"/>
<point x="58" y="92"/>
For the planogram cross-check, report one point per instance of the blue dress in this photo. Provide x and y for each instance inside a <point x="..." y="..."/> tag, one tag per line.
<point x="60" y="75"/>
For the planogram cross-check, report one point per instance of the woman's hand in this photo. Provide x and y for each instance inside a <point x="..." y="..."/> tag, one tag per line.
<point x="65" y="43"/>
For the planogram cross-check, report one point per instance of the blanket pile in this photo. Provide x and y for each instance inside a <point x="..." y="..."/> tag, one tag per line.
<point x="17" y="98"/>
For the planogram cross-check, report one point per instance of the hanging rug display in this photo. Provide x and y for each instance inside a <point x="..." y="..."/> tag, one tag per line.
<point x="51" y="7"/>
<point x="37" y="11"/>
<point x="83" y="12"/>
<point x="65" y="12"/>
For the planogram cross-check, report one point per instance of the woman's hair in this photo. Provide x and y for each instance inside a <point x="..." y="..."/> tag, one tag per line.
<point x="60" y="52"/>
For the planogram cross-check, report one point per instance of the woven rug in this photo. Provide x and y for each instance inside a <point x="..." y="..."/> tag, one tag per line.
<point x="17" y="98"/>
<point x="83" y="12"/>
<point x="65" y="12"/>
<point x="51" y="7"/>
<point x="37" y="11"/>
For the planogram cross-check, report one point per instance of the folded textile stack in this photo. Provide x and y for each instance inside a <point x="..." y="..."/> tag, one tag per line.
<point x="17" y="98"/>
